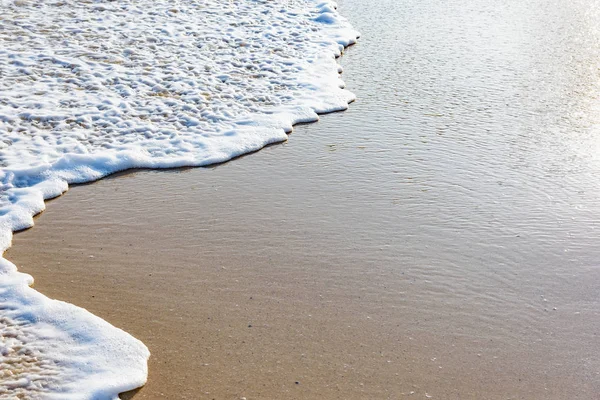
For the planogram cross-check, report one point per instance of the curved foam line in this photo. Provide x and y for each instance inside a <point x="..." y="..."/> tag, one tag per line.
<point x="55" y="350"/>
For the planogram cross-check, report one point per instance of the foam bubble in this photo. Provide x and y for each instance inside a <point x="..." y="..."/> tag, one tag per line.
<point x="92" y="87"/>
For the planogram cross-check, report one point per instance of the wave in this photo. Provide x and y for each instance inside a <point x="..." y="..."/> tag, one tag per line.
<point x="92" y="87"/>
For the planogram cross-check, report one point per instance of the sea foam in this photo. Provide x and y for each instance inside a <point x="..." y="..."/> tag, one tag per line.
<point x="92" y="87"/>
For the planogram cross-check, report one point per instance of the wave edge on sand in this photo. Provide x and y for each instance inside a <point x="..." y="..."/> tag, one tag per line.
<point x="93" y="88"/>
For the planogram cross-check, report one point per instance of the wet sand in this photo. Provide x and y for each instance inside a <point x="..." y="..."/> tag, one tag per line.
<point x="439" y="239"/>
<point x="267" y="278"/>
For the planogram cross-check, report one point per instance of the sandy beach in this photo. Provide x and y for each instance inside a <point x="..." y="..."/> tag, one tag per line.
<point x="437" y="240"/>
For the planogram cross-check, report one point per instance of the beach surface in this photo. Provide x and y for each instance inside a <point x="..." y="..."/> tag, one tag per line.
<point x="276" y="276"/>
<point x="437" y="240"/>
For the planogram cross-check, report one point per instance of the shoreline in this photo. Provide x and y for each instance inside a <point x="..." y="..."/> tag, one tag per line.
<point x="408" y="247"/>
<point x="225" y="137"/>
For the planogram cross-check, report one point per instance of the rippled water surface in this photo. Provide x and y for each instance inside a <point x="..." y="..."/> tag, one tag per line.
<point x="485" y="117"/>
<point x="483" y="142"/>
<point x="485" y="136"/>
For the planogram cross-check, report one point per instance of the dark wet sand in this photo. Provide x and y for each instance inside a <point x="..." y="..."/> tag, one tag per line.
<point x="270" y="278"/>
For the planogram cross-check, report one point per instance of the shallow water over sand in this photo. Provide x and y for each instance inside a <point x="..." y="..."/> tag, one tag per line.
<point x="440" y="237"/>
<point x="482" y="149"/>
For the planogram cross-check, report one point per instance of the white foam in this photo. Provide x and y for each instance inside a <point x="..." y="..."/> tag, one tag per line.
<point x="91" y="87"/>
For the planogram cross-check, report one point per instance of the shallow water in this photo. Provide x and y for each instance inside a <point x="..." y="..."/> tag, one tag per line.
<point x="448" y="219"/>
<point x="484" y="148"/>
<point x="484" y="126"/>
